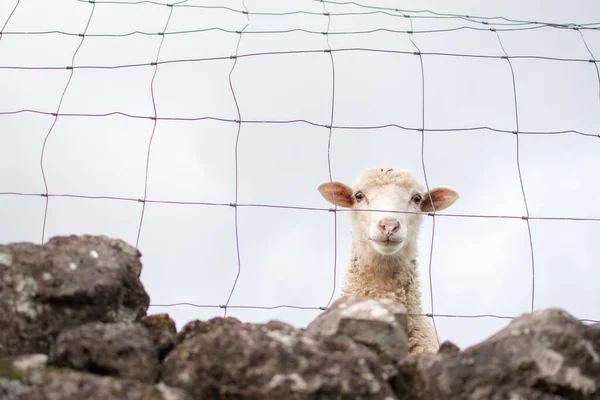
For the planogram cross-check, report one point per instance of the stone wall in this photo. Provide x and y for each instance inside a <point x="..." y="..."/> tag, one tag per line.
<point x="73" y="325"/>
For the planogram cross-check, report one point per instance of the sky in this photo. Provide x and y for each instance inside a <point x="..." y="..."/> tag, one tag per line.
<point x="297" y="257"/>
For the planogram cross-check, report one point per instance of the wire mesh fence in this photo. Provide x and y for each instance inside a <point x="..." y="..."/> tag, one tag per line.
<point x="496" y="26"/>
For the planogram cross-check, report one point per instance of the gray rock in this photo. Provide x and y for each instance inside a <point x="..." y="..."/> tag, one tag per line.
<point x="224" y="359"/>
<point x="545" y="355"/>
<point x="448" y="348"/>
<point x="163" y="332"/>
<point x="13" y="369"/>
<point x="198" y="327"/>
<point x="68" y="281"/>
<point x="379" y="324"/>
<point x="29" y="362"/>
<point x="12" y="389"/>
<point x="57" y="384"/>
<point x="122" y="349"/>
<point x="594" y="333"/>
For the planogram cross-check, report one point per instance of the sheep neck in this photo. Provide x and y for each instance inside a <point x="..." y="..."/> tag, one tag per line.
<point x="371" y="274"/>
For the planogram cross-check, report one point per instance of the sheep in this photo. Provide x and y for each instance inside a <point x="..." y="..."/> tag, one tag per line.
<point x="383" y="259"/>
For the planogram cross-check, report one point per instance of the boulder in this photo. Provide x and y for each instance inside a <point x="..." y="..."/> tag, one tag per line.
<point x="544" y="355"/>
<point x="163" y="331"/>
<point x="13" y="369"/>
<point x="225" y="359"/>
<point x="64" y="283"/>
<point x="73" y="326"/>
<point x="121" y="349"/>
<point x="379" y="324"/>
<point x="198" y="327"/>
<point x="64" y="384"/>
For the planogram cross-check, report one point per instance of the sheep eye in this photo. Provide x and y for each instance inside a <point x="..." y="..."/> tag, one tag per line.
<point x="359" y="196"/>
<point x="417" y="198"/>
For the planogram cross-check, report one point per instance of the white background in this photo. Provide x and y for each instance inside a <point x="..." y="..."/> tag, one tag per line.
<point x="479" y="265"/>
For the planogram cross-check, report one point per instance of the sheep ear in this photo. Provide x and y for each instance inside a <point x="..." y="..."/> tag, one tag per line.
<point x="440" y="197"/>
<point x="342" y="193"/>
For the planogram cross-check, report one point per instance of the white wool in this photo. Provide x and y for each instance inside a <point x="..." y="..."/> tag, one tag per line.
<point x="383" y="259"/>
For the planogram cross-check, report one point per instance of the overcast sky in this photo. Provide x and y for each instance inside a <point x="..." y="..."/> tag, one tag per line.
<point x="286" y="257"/>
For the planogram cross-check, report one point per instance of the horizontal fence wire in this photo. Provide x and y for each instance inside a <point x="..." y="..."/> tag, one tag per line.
<point x="316" y="308"/>
<point x="293" y="207"/>
<point x="393" y="12"/>
<point x="291" y="52"/>
<point x="298" y="121"/>
<point x="495" y="25"/>
<point x="488" y="23"/>
<point x="282" y="31"/>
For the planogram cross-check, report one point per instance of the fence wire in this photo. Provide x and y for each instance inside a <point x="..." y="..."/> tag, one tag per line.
<point x="290" y="52"/>
<point x="495" y="25"/>
<point x="237" y="144"/>
<point x="62" y="97"/>
<point x="330" y="133"/>
<point x="155" y="114"/>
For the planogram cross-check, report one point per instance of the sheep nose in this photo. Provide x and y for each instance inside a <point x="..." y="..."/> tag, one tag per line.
<point x="389" y="226"/>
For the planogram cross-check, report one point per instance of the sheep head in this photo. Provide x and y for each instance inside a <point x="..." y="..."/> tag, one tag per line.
<point x="386" y="204"/>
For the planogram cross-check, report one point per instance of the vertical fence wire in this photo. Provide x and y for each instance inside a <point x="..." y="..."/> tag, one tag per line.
<point x="56" y="115"/>
<point x="154" y="123"/>
<point x="418" y="53"/>
<point x="237" y="144"/>
<point x="518" y="159"/>
<point x="592" y="60"/>
<point x="8" y="19"/>
<point x="330" y="128"/>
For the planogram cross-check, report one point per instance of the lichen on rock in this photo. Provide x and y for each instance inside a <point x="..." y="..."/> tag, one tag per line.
<point x="41" y="294"/>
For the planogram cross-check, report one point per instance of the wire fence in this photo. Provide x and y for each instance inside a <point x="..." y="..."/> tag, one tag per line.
<point x="495" y="25"/>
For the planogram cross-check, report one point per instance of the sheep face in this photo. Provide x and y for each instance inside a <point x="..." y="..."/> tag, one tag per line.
<point x="386" y="206"/>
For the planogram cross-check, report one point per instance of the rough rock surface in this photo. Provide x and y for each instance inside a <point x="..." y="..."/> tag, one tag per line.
<point x="64" y="283"/>
<point x="198" y="327"/>
<point x="57" y="384"/>
<point x="80" y="300"/>
<point x="163" y="331"/>
<point x="544" y="355"/>
<point x="121" y="349"/>
<point x="379" y="324"/>
<point x="225" y="359"/>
